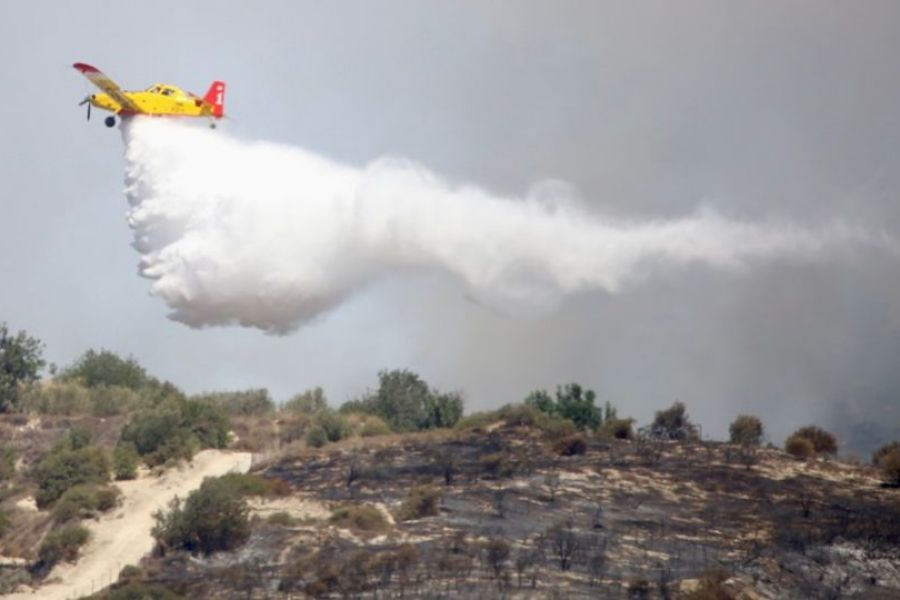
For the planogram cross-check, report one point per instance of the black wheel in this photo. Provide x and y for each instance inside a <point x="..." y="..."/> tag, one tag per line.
<point x="212" y="125"/>
<point x="110" y="121"/>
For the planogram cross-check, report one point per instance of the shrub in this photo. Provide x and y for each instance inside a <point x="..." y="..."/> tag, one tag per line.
<point x="334" y="425"/>
<point x="131" y="573"/>
<point x="57" y="398"/>
<point x="7" y="462"/>
<point x="136" y="590"/>
<point x="293" y="428"/>
<point x="497" y="464"/>
<point x="316" y="437"/>
<point x="107" y="368"/>
<point x="799" y="447"/>
<point x="422" y="501"/>
<point x="282" y="519"/>
<point x="21" y="360"/>
<point x="107" y="401"/>
<point x="889" y="465"/>
<point x="746" y="430"/>
<point x="308" y="402"/>
<point x="5" y="521"/>
<point x="62" y="544"/>
<point x="620" y="429"/>
<point x="176" y="429"/>
<point x="822" y="441"/>
<point x="373" y="426"/>
<point x="572" y="402"/>
<point x="362" y="518"/>
<point x="83" y="501"/>
<point x="213" y="518"/>
<point x="251" y="484"/>
<point x="61" y="470"/>
<point x="882" y="452"/>
<point x="406" y="403"/>
<point x="673" y="423"/>
<point x="125" y="461"/>
<point x="571" y="445"/>
<point x="246" y="403"/>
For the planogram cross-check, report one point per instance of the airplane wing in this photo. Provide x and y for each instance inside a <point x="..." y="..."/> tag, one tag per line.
<point x="107" y="85"/>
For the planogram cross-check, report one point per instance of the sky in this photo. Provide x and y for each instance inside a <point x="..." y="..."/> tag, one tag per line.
<point x="651" y="110"/>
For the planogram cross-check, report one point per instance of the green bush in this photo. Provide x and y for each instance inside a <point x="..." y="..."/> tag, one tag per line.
<point x="422" y="501"/>
<point x="246" y="403"/>
<point x="282" y="519"/>
<point x="57" y="398"/>
<point x="64" y="469"/>
<point x="406" y="403"/>
<point x="307" y="403"/>
<point x="62" y="544"/>
<point x="131" y="573"/>
<point x="125" y="461"/>
<point x="746" y="430"/>
<point x="83" y="501"/>
<point x="176" y="429"/>
<point x="139" y="591"/>
<point x="316" y="437"/>
<point x="106" y="368"/>
<point x="620" y="429"/>
<point x="21" y="361"/>
<point x="822" y="441"/>
<point x="111" y="400"/>
<point x="334" y="425"/>
<point x="213" y="518"/>
<point x="361" y="518"/>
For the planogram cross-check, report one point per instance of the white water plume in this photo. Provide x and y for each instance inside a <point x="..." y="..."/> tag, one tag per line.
<point x="270" y="236"/>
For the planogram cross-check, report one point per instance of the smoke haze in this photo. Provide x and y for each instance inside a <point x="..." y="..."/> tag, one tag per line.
<point x="271" y="236"/>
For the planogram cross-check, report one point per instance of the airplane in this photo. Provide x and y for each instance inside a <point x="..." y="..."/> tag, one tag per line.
<point x="160" y="99"/>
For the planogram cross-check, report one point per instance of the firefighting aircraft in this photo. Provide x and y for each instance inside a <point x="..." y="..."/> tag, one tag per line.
<point x="160" y="99"/>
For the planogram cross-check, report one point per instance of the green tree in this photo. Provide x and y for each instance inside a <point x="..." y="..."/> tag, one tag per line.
<point x="577" y="405"/>
<point x="64" y="469"/>
<point x="308" y="402"/>
<point x="746" y="430"/>
<point x="21" y="360"/>
<point x="673" y="423"/>
<point x="213" y="518"/>
<point x="542" y="401"/>
<point x="107" y="368"/>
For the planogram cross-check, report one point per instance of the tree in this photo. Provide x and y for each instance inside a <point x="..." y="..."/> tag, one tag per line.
<point x="577" y="405"/>
<point x="65" y="468"/>
<point x="673" y="423"/>
<point x="213" y="518"/>
<point x="746" y="430"/>
<point x="822" y="441"/>
<point x="887" y="459"/>
<point x="107" y="368"/>
<point x="21" y="360"/>
<point x="308" y="402"/>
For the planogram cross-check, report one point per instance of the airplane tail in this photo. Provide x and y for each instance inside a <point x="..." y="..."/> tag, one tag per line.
<point x="215" y="98"/>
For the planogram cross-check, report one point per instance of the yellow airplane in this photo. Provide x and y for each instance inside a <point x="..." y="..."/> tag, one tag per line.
<point x="160" y="99"/>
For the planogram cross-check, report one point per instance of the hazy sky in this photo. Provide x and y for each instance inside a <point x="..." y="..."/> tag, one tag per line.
<point x="762" y="110"/>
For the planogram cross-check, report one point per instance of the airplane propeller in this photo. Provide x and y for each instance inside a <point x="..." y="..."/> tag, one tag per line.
<point x="87" y="100"/>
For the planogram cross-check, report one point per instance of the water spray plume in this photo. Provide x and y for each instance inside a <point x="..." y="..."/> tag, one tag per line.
<point x="270" y="236"/>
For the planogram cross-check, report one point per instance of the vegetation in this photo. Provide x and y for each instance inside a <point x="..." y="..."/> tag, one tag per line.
<point x="362" y="518"/>
<point x="308" y="402"/>
<point x="422" y="501"/>
<point x="571" y="445"/>
<point x="887" y="459"/>
<point x="252" y="484"/>
<point x="21" y="361"/>
<point x="62" y="544"/>
<point x="213" y="518"/>
<point x="822" y="442"/>
<point x="405" y="402"/>
<point x="246" y="403"/>
<point x="64" y="468"/>
<point x="106" y="368"/>
<point x="673" y="423"/>
<point x="746" y="430"/>
<point x="84" y="501"/>
<point x="176" y="429"/>
<point x="7" y="462"/>
<point x="573" y="403"/>
<point x="125" y="460"/>
<point x="799" y="447"/>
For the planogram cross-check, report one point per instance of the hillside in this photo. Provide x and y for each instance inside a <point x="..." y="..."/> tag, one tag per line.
<point x="498" y="511"/>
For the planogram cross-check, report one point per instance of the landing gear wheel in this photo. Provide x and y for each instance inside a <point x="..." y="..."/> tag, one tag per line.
<point x="110" y="121"/>
<point x="212" y="125"/>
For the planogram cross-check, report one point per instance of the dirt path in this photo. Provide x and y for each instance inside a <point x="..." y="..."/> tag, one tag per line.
<point x="123" y="536"/>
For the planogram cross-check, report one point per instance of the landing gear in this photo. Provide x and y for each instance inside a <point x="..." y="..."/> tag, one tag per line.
<point x="110" y="121"/>
<point x="212" y="125"/>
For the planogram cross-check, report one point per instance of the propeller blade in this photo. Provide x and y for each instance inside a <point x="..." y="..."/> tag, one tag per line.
<point x="86" y="100"/>
<point x="89" y="112"/>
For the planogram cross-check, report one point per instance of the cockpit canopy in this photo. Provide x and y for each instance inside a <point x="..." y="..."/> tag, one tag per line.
<point x="165" y="89"/>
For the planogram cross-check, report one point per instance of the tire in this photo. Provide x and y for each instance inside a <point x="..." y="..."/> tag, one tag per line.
<point x="110" y="121"/>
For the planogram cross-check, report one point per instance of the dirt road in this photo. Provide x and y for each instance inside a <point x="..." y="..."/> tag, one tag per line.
<point x="122" y="537"/>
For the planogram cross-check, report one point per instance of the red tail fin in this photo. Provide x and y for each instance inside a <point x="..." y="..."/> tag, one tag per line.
<point x="215" y="97"/>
